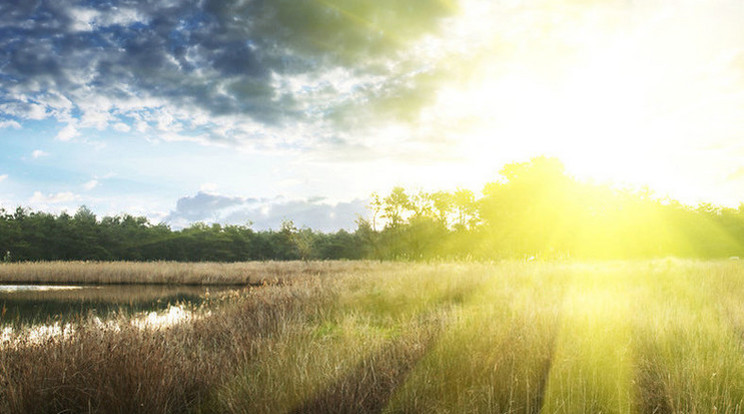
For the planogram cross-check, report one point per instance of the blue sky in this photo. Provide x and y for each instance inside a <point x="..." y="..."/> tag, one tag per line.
<point x="260" y="111"/>
<point x="114" y="173"/>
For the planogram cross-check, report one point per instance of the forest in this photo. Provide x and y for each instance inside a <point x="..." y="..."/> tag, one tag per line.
<point x="535" y="209"/>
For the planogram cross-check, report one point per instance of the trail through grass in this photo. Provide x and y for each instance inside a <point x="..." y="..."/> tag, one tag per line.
<point x="591" y="371"/>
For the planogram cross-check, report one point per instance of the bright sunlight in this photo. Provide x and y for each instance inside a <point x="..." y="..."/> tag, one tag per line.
<point x="612" y="94"/>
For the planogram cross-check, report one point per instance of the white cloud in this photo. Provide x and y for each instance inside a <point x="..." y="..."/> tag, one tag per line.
<point x="24" y="110"/>
<point x="165" y="121"/>
<point x="91" y="184"/>
<point x="10" y="124"/>
<point x="3" y="177"/>
<point x="39" y="153"/>
<point x="67" y="133"/>
<point x="122" y="127"/>
<point x="60" y="197"/>
<point x="83" y="20"/>
<point x="87" y="20"/>
<point x="208" y="188"/>
<point x="36" y="112"/>
<point x="141" y="126"/>
<point x="123" y="16"/>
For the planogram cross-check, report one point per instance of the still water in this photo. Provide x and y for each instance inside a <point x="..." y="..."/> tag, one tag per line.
<point x="44" y="304"/>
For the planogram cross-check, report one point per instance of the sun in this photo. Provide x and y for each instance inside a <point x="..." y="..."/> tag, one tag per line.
<point x="627" y="96"/>
<point x="603" y="116"/>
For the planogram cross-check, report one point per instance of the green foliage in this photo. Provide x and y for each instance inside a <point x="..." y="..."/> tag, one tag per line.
<point x="536" y="210"/>
<point x="32" y="236"/>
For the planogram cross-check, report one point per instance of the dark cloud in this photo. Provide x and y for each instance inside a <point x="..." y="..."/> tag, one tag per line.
<point x="266" y="214"/>
<point x="218" y="57"/>
<point x="205" y="206"/>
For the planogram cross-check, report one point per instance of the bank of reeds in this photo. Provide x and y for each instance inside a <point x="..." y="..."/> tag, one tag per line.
<point x="126" y="369"/>
<point x="206" y="273"/>
<point x="345" y="325"/>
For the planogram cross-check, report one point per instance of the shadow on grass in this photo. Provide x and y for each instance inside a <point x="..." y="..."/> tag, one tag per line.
<point x="369" y="386"/>
<point x="651" y="394"/>
<point x="542" y="385"/>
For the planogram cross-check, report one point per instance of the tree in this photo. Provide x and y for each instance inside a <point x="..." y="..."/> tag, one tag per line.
<point x="395" y="205"/>
<point x="442" y="203"/>
<point x="375" y="205"/>
<point x="465" y="206"/>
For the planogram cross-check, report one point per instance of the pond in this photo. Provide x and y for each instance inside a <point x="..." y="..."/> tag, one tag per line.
<point x="44" y="304"/>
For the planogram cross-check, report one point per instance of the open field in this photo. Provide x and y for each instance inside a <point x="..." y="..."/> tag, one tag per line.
<point x="660" y="336"/>
<point x="164" y="273"/>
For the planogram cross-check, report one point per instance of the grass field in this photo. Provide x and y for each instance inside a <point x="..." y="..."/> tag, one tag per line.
<point x="660" y="336"/>
<point x="165" y="273"/>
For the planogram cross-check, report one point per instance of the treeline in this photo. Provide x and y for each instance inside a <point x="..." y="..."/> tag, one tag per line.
<point x="534" y="210"/>
<point x="31" y="236"/>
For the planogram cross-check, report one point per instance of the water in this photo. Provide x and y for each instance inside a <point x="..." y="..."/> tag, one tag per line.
<point x="23" y="305"/>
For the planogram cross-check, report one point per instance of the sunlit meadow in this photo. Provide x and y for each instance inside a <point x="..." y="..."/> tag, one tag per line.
<point x="644" y="336"/>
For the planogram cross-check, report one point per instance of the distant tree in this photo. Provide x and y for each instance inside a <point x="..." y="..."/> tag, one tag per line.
<point x="376" y="206"/>
<point x="442" y="204"/>
<point x="421" y="205"/>
<point x="464" y="203"/>
<point x="285" y="241"/>
<point x="367" y="240"/>
<point x="395" y="205"/>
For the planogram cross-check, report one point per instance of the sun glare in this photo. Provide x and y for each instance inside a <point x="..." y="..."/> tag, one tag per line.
<point x="593" y="118"/>
<point x="608" y="96"/>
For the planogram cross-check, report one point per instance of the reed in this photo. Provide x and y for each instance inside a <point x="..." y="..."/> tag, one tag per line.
<point x="165" y="273"/>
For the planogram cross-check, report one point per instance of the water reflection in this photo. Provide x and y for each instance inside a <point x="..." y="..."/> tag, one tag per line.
<point x="39" y="304"/>
<point x="23" y="288"/>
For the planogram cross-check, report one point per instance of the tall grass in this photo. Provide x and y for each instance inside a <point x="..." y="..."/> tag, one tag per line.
<point x="353" y="357"/>
<point x="661" y="336"/>
<point x="496" y="352"/>
<point x="689" y="351"/>
<point x="592" y="367"/>
<point x="207" y="273"/>
<point x="124" y="368"/>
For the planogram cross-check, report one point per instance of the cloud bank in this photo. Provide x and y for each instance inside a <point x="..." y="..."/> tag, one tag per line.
<point x="261" y="73"/>
<point x="264" y="214"/>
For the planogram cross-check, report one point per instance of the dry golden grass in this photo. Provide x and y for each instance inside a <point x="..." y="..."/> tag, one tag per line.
<point x="127" y="369"/>
<point x="661" y="336"/>
<point x="207" y="273"/>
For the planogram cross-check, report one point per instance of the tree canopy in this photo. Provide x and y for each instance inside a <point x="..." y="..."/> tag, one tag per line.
<point x="535" y="209"/>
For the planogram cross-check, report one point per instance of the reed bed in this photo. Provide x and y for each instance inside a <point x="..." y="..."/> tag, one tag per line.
<point x="165" y="273"/>
<point x="659" y="336"/>
<point x="122" y="368"/>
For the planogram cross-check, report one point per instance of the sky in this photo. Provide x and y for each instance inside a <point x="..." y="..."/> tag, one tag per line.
<point x="257" y="111"/>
